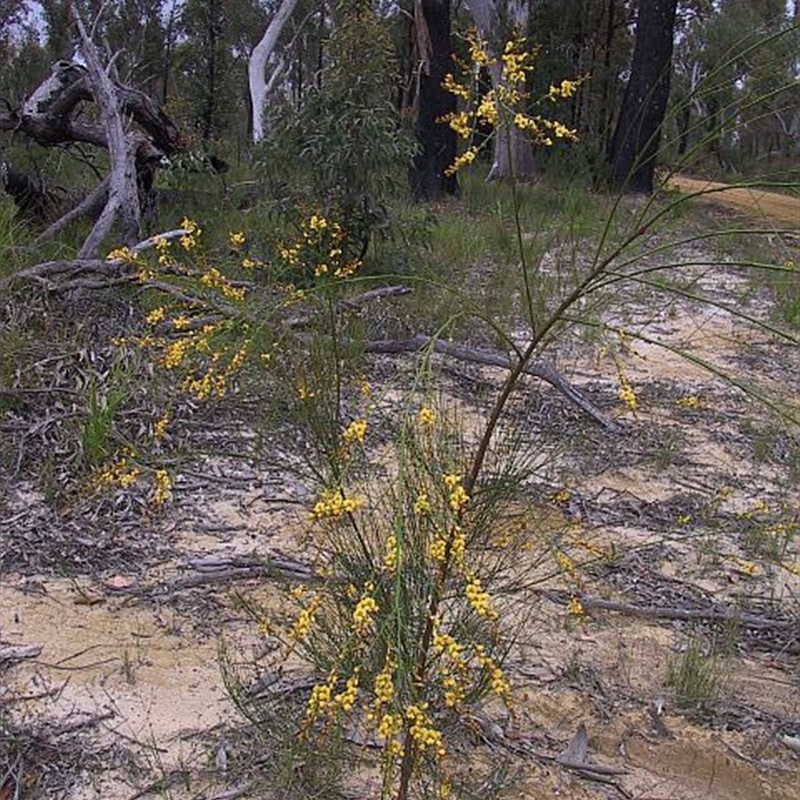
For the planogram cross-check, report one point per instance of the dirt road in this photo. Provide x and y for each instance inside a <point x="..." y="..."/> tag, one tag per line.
<point x="780" y="209"/>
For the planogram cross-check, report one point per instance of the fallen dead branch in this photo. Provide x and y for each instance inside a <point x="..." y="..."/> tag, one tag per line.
<point x="539" y="369"/>
<point x="719" y="615"/>
<point x="15" y="653"/>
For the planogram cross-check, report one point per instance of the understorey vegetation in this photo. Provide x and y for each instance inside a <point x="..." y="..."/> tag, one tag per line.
<point x="435" y="390"/>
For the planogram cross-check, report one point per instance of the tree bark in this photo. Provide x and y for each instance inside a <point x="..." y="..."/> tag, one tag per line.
<point x="429" y="178"/>
<point x="257" y="66"/>
<point x="123" y="195"/>
<point x="512" y="149"/>
<point x="636" y="139"/>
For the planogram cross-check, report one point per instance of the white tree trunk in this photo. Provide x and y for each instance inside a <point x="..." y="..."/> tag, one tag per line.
<point x="123" y="196"/>
<point x="512" y="149"/>
<point x="257" y="67"/>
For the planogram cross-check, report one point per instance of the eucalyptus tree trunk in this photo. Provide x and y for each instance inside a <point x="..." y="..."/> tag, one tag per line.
<point x="512" y="149"/>
<point x="429" y="177"/>
<point x="636" y="139"/>
<point x="257" y="66"/>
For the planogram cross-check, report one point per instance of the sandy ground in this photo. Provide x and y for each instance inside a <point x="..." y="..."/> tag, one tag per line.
<point x="150" y="661"/>
<point x="775" y="209"/>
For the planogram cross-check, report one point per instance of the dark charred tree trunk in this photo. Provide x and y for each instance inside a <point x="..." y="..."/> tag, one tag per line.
<point x="634" y="145"/>
<point x="437" y="142"/>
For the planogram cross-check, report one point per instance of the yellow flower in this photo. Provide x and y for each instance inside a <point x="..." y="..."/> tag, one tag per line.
<point x="422" y="505"/>
<point x="346" y="700"/>
<point x="155" y="316"/>
<point x="161" y="487"/>
<point x="384" y="684"/>
<point x="450" y="85"/>
<point x="487" y="109"/>
<point x="563" y="495"/>
<point x="575" y="607"/>
<point x="390" y="559"/>
<point x="451" y="480"/>
<point x="689" y="401"/>
<point x="464" y="160"/>
<point x="122" y="254"/>
<point x="160" y="428"/>
<point x="627" y="395"/>
<point x="438" y="549"/>
<point x="321" y="698"/>
<point x="426" y="417"/>
<point x="422" y="731"/>
<point x="458" y="499"/>
<point x="478" y="598"/>
<point x="334" y="505"/>
<point x="477" y="52"/>
<point x="362" y="615"/>
<point x="236" y="239"/>
<point x="190" y="226"/>
<point x="305" y="620"/>
<point x="459" y="122"/>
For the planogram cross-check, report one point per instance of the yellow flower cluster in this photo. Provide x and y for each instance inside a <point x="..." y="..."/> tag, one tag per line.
<point x="422" y="505"/>
<point x="499" y="683"/>
<point x="445" y="643"/>
<point x="627" y="395"/>
<point x="162" y="486"/>
<point x="566" y="564"/>
<point x="390" y="559"/>
<point x="155" y="316"/>
<point x="365" y="608"/>
<point x="334" y="505"/>
<point x="458" y="495"/>
<point x="689" y="401"/>
<point x="504" y="100"/>
<point x="575" y="607"/>
<point x="355" y="431"/>
<point x="458" y="545"/>
<point x="346" y="700"/>
<point x="305" y="620"/>
<point x="188" y="241"/>
<point x="160" y="428"/>
<point x="384" y="684"/>
<point x="426" y="417"/>
<point x="478" y="598"/>
<point x="319" y="249"/>
<point x="214" y="279"/>
<point x="438" y="549"/>
<point x="162" y="247"/>
<point x="120" y="473"/>
<point x="205" y="385"/>
<point x="122" y="254"/>
<point x="422" y="731"/>
<point x="565" y="90"/>
<point x="321" y="698"/>
<point x="236" y="239"/>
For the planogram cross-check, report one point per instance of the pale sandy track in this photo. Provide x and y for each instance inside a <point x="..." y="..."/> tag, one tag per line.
<point x="780" y="209"/>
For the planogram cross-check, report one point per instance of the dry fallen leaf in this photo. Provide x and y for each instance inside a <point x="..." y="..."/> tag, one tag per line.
<point x="119" y="582"/>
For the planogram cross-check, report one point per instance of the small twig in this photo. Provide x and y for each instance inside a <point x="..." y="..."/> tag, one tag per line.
<point x="90" y="722"/>
<point x="237" y="791"/>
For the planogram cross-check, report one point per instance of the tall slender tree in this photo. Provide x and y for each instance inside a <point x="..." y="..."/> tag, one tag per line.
<point x="430" y="179"/>
<point x="636" y="139"/>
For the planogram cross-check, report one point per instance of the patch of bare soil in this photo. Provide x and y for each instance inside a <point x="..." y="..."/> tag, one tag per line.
<point x="770" y="206"/>
<point x="685" y="524"/>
